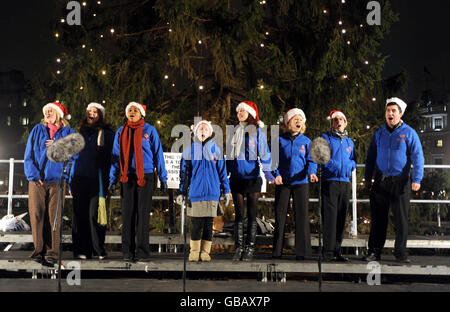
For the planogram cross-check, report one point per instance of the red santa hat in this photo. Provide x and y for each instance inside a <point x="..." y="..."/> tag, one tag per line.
<point x="336" y="113"/>
<point x="252" y="109"/>
<point x="97" y="106"/>
<point x="59" y="108"/>
<point x="291" y="114"/>
<point x="397" y="101"/>
<point x="205" y="122"/>
<point x="142" y="108"/>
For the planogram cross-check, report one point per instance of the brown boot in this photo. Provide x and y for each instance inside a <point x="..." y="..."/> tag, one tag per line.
<point x="206" y="249"/>
<point x="194" y="253"/>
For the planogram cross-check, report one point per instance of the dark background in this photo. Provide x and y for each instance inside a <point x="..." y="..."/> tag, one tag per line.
<point x="418" y="40"/>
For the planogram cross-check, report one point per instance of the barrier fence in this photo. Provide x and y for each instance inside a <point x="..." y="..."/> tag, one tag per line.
<point x="354" y="200"/>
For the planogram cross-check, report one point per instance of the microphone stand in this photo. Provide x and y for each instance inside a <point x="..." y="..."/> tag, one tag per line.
<point x="59" y="209"/>
<point x="185" y="198"/>
<point x="319" y="172"/>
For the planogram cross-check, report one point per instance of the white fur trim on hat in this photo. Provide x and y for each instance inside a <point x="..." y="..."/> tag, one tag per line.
<point x="291" y="113"/>
<point x="397" y="101"/>
<point x="335" y="114"/>
<point x="97" y="106"/>
<point x="208" y="123"/>
<point x="247" y="108"/>
<point x="139" y="106"/>
<point x="58" y="109"/>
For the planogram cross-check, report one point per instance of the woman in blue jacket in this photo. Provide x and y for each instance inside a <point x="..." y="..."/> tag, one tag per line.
<point x="93" y="163"/>
<point x="203" y="171"/>
<point x="43" y="176"/>
<point x="336" y="186"/>
<point x="295" y="166"/>
<point x="137" y="152"/>
<point x="249" y="150"/>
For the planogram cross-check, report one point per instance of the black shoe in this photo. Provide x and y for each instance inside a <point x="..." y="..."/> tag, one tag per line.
<point x="238" y="240"/>
<point x="248" y="253"/>
<point x="142" y="259"/>
<point x="402" y="259"/>
<point x="49" y="261"/>
<point x="327" y="258"/>
<point x="128" y="257"/>
<point x="37" y="258"/>
<point x="372" y="257"/>
<point x="340" y="258"/>
<point x="238" y="254"/>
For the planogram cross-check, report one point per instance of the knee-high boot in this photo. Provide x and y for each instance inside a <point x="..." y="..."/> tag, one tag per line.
<point x="251" y="239"/>
<point x="238" y="240"/>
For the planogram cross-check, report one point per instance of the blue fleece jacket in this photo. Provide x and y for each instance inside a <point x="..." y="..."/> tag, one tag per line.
<point x="295" y="163"/>
<point x="36" y="164"/>
<point x="209" y="171"/>
<point x="153" y="155"/>
<point x="393" y="153"/>
<point x="342" y="161"/>
<point x="247" y="166"/>
<point x="92" y="157"/>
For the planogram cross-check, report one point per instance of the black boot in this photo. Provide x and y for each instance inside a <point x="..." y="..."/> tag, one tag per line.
<point x="373" y="255"/>
<point x="238" y="240"/>
<point x="251" y="239"/>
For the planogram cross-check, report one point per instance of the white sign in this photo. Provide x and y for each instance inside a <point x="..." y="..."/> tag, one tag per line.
<point x="172" y="162"/>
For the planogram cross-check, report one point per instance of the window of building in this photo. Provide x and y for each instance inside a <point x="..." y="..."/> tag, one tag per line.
<point x="24" y="103"/>
<point x="438" y="123"/>
<point x="8" y="121"/>
<point x="439" y="143"/>
<point x="24" y="121"/>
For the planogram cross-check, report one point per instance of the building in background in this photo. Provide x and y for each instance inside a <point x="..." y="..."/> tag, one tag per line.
<point x="434" y="131"/>
<point x="14" y="114"/>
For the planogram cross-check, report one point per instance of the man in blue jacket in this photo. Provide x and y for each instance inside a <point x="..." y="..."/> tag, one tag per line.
<point x="393" y="149"/>
<point x="336" y="186"/>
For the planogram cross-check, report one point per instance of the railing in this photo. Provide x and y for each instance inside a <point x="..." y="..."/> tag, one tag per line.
<point x="354" y="200"/>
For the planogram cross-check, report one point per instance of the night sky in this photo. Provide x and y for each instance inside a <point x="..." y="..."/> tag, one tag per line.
<point x="419" y="39"/>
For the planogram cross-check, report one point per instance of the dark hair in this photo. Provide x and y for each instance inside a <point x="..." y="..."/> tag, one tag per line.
<point x="251" y="121"/>
<point x="98" y="125"/>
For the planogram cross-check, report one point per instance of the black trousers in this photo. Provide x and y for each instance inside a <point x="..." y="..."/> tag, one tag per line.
<point x="389" y="193"/>
<point x="136" y="206"/>
<point x="202" y="228"/>
<point x="88" y="237"/>
<point x="335" y="201"/>
<point x="300" y="194"/>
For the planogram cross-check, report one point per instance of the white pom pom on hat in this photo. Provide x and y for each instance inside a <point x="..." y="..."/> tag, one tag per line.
<point x="142" y="108"/>
<point x="291" y="114"/>
<point x="59" y="108"/>
<point x="252" y="109"/>
<point x="97" y="106"/>
<point x="397" y="101"/>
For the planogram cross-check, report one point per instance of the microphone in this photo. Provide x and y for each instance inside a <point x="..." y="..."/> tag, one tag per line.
<point x="320" y="151"/>
<point x="65" y="148"/>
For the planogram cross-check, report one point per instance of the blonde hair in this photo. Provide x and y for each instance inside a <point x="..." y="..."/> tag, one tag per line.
<point x="302" y="129"/>
<point x="59" y="120"/>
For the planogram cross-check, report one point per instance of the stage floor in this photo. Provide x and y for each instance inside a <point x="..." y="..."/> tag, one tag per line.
<point x="263" y="264"/>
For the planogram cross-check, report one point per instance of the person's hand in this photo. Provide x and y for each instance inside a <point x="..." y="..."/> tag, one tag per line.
<point x="415" y="187"/>
<point x="70" y="193"/>
<point x="278" y="180"/>
<point x="180" y="200"/>
<point x="111" y="188"/>
<point x="269" y="176"/>
<point x="228" y="198"/>
<point x="39" y="183"/>
<point x="313" y="178"/>
<point x="164" y="187"/>
<point x="49" y="142"/>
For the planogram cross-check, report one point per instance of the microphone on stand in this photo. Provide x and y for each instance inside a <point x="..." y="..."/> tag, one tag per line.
<point x="61" y="151"/>
<point x="65" y="148"/>
<point x="320" y="154"/>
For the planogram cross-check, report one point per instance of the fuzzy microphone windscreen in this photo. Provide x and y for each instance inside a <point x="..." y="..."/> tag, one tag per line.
<point x="65" y="148"/>
<point x="320" y="151"/>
